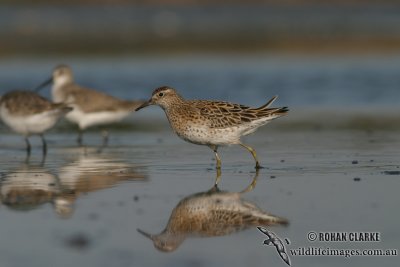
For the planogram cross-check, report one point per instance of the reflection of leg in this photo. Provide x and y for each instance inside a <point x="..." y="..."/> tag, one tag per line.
<point x="80" y="136"/>
<point x="253" y="153"/>
<point x="44" y="147"/>
<point x="215" y="148"/>
<point x="253" y="183"/>
<point x="218" y="178"/>
<point x="28" y="150"/>
<point x="104" y="133"/>
<point x="28" y="147"/>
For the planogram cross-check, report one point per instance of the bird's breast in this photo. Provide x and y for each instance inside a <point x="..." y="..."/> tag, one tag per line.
<point x="194" y="128"/>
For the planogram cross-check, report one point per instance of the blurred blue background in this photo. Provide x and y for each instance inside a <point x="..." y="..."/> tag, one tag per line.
<point x="341" y="54"/>
<point x="334" y="159"/>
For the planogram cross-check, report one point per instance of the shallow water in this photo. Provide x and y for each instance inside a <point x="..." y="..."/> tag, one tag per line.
<point x="331" y="167"/>
<point x="83" y="205"/>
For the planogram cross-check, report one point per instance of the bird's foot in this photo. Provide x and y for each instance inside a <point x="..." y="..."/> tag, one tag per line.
<point x="258" y="166"/>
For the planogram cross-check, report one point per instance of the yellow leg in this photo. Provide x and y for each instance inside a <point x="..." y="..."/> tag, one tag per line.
<point x="215" y="148"/>
<point x="218" y="178"/>
<point x="253" y="183"/>
<point x="253" y="152"/>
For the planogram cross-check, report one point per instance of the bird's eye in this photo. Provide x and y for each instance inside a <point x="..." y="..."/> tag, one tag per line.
<point x="161" y="94"/>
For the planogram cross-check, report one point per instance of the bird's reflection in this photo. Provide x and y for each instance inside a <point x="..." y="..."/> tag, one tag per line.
<point x="94" y="171"/>
<point x="27" y="187"/>
<point x="30" y="186"/>
<point x="211" y="213"/>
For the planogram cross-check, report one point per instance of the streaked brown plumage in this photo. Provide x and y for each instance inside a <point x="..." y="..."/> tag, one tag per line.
<point x="213" y="123"/>
<point x="211" y="213"/>
<point x="224" y="114"/>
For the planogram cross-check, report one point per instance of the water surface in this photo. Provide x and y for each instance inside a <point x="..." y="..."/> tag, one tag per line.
<point x="328" y="168"/>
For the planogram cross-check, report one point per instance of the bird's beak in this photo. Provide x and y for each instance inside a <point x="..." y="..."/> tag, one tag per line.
<point x="145" y="104"/>
<point x="149" y="236"/>
<point x="42" y="85"/>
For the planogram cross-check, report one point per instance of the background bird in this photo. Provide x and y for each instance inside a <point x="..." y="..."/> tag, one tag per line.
<point x="91" y="107"/>
<point x="28" y="113"/>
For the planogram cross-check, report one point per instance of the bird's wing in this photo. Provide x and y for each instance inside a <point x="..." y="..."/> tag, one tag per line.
<point x="90" y="100"/>
<point x="25" y="102"/>
<point x="224" y="114"/>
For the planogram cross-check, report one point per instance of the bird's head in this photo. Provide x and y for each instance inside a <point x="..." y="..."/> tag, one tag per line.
<point x="163" y="96"/>
<point x="164" y="241"/>
<point x="62" y="74"/>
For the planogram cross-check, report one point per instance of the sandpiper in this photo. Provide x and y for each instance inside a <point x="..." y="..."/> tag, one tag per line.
<point x="213" y="123"/>
<point x="28" y="113"/>
<point x="90" y="107"/>
<point x="211" y="213"/>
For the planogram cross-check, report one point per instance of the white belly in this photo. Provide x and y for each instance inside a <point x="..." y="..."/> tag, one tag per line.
<point x="30" y="124"/>
<point x="206" y="136"/>
<point x="85" y="120"/>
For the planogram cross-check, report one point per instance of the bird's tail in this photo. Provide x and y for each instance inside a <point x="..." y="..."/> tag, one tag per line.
<point x="64" y="108"/>
<point x="265" y="110"/>
<point x="269" y="219"/>
<point x="260" y="217"/>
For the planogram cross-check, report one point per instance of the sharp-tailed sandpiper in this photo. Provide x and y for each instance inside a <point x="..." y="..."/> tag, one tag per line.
<point x="213" y="123"/>
<point x="90" y="107"/>
<point x="211" y="213"/>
